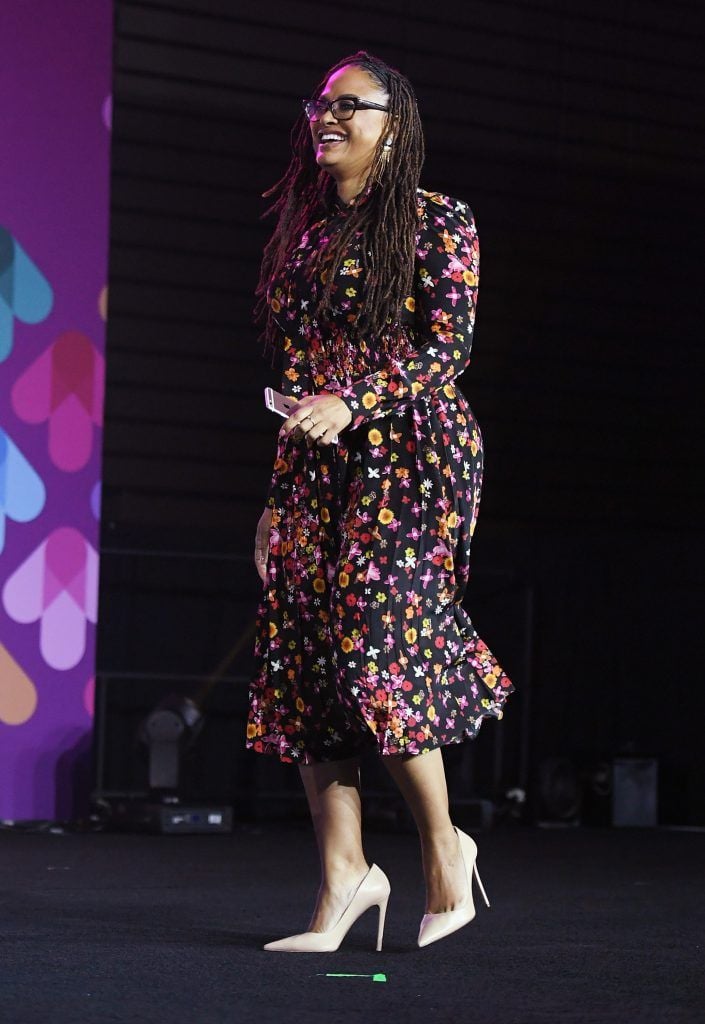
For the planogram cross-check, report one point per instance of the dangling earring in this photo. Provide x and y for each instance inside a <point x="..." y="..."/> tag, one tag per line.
<point x="383" y="160"/>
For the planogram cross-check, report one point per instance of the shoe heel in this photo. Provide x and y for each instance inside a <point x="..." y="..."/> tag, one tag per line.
<point x="479" y="882"/>
<point x="380" y="926"/>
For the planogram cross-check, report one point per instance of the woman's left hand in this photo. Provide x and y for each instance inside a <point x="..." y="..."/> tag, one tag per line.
<point x="318" y="418"/>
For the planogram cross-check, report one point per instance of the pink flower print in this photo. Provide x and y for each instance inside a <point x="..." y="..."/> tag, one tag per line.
<point x="65" y="386"/>
<point x="57" y="585"/>
<point x="373" y="573"/>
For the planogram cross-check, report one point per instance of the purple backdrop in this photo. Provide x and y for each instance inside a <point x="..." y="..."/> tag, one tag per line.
<point x="55" y="69"/>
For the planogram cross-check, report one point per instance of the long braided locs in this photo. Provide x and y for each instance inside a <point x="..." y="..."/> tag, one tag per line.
<point x="385" y="225"/>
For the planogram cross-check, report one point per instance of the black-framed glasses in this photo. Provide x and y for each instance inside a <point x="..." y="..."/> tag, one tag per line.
<point x="342" y="109"/>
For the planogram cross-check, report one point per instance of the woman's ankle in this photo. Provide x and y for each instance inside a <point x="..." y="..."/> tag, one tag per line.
<point x="343" y="872"/>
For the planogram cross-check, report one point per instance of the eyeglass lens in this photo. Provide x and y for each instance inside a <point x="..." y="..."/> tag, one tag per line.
<point x="342" y="109"/>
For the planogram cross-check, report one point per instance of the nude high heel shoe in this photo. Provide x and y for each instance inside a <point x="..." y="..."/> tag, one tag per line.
<point x="437" y="926"/>
<point x="372" y="891"/>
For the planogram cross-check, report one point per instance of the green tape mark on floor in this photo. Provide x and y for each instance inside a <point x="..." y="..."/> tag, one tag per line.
<point x="375" y="977"/>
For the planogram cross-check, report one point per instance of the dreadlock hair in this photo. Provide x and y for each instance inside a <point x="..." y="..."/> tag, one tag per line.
<point x="386" y="224"/>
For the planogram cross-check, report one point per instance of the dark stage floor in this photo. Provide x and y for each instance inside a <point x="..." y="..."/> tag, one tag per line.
<point x="586" y="925"/>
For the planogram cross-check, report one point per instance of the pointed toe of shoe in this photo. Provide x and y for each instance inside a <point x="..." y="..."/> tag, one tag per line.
<point x="306" y="942"/>
<point x="437" y="926"/>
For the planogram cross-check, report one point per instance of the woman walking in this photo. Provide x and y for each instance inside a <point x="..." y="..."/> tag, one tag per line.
<point x="369" y="288"/>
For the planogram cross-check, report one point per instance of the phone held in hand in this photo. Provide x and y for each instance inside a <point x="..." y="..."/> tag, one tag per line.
<point x="282" y="405"/>
<point x="278" y="403"/>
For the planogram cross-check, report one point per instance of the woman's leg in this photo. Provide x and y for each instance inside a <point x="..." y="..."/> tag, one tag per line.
<point x="422" y="781"/>
<point x="333" y="794"/>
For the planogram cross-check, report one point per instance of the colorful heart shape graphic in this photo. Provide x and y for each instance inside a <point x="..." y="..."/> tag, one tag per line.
<point x="57" y="585"/>
<point x="64" y="387"/>
<point x="25" y="294"/>
<point x="22" y="491"/>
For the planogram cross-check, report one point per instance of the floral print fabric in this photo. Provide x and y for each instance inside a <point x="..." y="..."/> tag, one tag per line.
<point x="361" y="634"/>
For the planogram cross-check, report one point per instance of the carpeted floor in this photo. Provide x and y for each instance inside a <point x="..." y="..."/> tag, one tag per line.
<point x="586" y="925"/>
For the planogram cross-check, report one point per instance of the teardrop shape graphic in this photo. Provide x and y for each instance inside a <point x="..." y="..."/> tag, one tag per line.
<point x="18" y="694"/>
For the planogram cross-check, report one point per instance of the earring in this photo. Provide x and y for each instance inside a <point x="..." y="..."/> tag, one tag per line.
<point x="388" y="142"/>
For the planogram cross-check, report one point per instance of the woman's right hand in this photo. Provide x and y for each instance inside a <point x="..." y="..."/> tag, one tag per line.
<point x="262" y="543"/>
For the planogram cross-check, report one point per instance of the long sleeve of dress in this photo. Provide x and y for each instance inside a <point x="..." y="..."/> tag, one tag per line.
<point x="445" y="299"/>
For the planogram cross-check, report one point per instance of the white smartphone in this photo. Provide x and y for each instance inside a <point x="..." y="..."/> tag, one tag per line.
<point x="282" y="405"/>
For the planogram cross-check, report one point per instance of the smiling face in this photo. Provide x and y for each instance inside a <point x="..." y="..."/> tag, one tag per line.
<point x="345" y="149"/>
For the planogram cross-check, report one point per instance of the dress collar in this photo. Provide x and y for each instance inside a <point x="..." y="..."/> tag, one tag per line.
<point x="338" y="206"/>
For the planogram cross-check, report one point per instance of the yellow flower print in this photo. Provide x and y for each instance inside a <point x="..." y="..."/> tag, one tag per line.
<point x="251" y="731"/>
<point x="325" y="515"/>
<point x="452" y="520"/>
<point x="272" y="630"/>
<point x="410" y="635"/>
<point x="346" y="644"/>
<point x="319" y="585"/>
<point x="375" y="437"/>
<point x="385" y="516"/>
<point x="431" y="713"/>
<point x="381" y="596"/>
<point x="343" y="579"/>
<point x="276" y="305"/>
<point x="350" y="292"/>
<point x="416" y="386"/>
<point x="300" y="704"/>
<point x="410" y="303"/>
<point x="448" y="562"/>
<point x="470" y="278"/>
<point x="369" y="399"/>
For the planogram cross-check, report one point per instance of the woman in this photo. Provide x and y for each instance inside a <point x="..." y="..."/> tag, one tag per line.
<point x="369" y="287"/>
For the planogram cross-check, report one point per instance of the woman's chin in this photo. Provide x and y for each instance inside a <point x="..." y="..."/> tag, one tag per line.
<point x="326" y="160"/>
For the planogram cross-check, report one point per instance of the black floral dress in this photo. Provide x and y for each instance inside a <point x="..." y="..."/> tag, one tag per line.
<point x="362" y="637"/>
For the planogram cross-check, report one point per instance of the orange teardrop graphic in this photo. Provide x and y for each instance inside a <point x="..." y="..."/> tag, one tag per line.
<point x="18" y="694"/>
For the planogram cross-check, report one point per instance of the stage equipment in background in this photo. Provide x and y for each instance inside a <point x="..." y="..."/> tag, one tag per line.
<point x="159" y="789"/>
<point x="559" y="792"/>
<point x="171" y="728"/>
<point x="635" y="791"/>
<point x="621" y="792"/>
